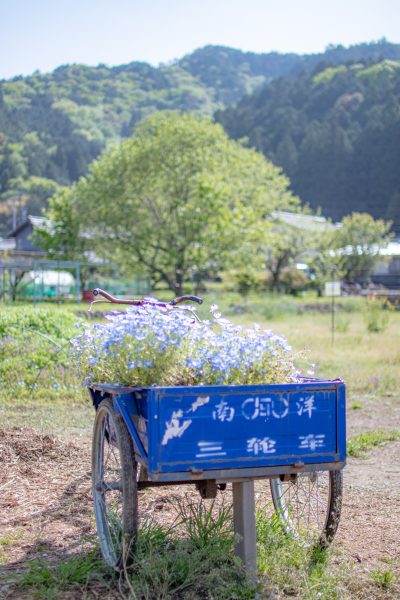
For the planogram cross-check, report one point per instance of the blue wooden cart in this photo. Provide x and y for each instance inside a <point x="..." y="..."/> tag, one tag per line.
<point x="290" y="436"/>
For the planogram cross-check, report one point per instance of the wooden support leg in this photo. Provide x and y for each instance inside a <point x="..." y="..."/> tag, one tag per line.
<point x="244" y="522"/>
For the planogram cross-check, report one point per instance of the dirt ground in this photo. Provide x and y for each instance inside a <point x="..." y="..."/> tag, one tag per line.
<point x="45" y="501"/>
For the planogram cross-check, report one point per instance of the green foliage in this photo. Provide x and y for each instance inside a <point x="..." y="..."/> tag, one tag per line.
<point x="61" y="235"/>
<point x="50" y="321"/>
<point x="293" y="569"/>
<point x="6" y="541"/>
<point x="334" y="132"/>
<point x="40" y="338"/>
<point x="204" y="523"/>
<point x="358" y="242"/>
<point x="284" y="245"/>
<point x="360" y="444"/>
<point x="383" y="578"/>
<point x="294" y="281"/>
<point x="178" y="199"/>
<point x="381" y="69"/>
<point x="25" y="194"/>
<point x="356" y="405"/>
<point x="328" y="74"/>
<point x="47" y="582"/>
<point x="245" y="281"/>
<point x="53" y="125"/>
<point x="191" y="560"/>
<point x="376" y="314"/>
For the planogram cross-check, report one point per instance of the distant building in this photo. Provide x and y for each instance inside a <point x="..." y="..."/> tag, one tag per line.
<point x="302" y="221"/>
<point x="19" y="244"/>
<point x="387" y="269"/>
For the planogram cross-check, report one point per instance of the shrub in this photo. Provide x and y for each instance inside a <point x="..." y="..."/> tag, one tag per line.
<point x="39" y="337"/>
<point x="294" y="281"/>
<point x="376" y="314"/>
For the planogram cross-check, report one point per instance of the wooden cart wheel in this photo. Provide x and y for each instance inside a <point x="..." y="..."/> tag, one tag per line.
<point x="309" y="505"/>
<point x="114" y="478"/>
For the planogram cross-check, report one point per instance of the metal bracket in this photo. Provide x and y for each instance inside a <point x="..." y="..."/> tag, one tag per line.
<point x="207" y="488"/>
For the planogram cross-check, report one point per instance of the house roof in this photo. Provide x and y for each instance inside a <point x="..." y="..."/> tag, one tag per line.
<point x="302" y="221"/>
<point x="30" y="220"/>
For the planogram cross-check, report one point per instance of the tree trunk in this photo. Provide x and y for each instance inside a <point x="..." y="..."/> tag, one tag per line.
<point x="178" y="291"/>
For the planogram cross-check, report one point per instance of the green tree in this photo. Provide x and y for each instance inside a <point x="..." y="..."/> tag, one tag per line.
<point x="178" y="199"/>
<point x="357" y="244"/>
<point x="289" y="241"/>
<point x="60" y="235"/>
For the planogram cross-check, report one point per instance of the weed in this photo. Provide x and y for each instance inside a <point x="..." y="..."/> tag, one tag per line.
<point x="292" y="568"/>
<point x="356" y="405"/>
<point x="204" y="523"/>
<point x="6" y="541"/>
<point x="351" y="305"/>
<point x="193" y="559"/>
<point x="376" y="314"/>
<point x="47" y="582"/>
<point x="383" y="578"/>
<point x="360" y="444"/>
<point x="342" y="324"/>
<point x="10" y="539"/>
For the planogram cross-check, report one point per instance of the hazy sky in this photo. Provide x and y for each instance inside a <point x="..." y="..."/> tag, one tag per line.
<point x="43" y="34"/>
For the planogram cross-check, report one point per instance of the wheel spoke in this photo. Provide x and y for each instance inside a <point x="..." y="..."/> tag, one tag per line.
<point x="304" y="504"/>
<point x="115" y="514"/>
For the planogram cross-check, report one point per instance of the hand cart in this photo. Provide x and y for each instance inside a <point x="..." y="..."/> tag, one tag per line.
<point x="291" y="436"/>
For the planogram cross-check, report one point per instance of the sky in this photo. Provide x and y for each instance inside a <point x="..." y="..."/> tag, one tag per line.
<point x="44" y="34"/>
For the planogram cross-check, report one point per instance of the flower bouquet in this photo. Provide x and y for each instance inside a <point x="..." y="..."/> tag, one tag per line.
<point x="164" y="346"/>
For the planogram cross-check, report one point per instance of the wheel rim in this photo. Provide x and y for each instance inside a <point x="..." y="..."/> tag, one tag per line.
<point x="303" y="505"/>
<point x="108" y="491"/>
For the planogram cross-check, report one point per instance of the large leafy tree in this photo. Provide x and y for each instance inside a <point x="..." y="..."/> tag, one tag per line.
<point x="286" y="244"/>
<point x="358" y="243"/>
<point x="178" y="199"/>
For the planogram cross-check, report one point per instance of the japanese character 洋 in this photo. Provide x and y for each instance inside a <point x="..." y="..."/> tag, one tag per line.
<point x="305" y="406"/>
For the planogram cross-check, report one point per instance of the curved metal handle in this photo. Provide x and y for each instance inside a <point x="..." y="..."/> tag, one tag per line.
<point x="107" y="296"/>
<point x="186" y="299"/>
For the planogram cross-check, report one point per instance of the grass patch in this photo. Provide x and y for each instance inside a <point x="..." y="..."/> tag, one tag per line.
<point x="194" y="559"/>
<point x="356" y="405"/>
<point x="6" y="541"/>
<point x="359" y="445"/>
<point x="291" y="569"/>
<point x="39" y="337"/>
<point x="383" y="578"/>
<point x="46" y="582"/>
<point x="63" y="415"/>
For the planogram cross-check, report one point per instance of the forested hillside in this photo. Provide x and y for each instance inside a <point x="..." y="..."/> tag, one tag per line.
<point x="335" y="132"/>
<point x="53" y="125"/>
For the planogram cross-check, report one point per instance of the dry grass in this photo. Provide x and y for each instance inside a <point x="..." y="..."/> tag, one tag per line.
<point x="45" y="495"/>
<point x="368" y="362"/>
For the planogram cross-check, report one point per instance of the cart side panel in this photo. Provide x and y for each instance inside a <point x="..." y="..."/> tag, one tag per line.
<point x="341" y="420"/>
<point x="217" y="427"/>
